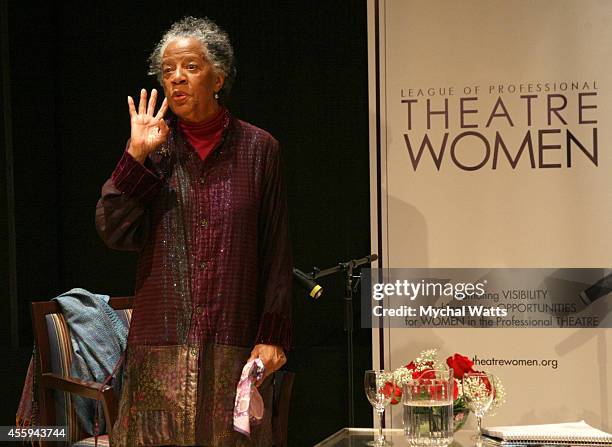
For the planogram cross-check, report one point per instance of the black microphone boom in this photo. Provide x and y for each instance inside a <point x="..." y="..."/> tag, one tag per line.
<point x="306" y="281"/>
<point x="599" y="289"/>
<point x="348" y="271"/>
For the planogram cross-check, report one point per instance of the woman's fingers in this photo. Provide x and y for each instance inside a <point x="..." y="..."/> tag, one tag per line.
<point x="131" y="107"/>
<point x="143" y="102"/>
<point x="145" y="108"/>
<point x="152" y="101"/>
<point x="151" y="128"/>
<point x="163" y="129"/>
<point x="162" y="110"/>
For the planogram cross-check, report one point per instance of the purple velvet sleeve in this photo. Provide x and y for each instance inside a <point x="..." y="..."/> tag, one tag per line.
<point x="122" y="216"/>
<point x="275" y="256"/>
<point x="135" y="180"/>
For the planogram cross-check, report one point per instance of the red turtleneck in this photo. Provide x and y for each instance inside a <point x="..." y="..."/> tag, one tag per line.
<point x="204" y="136"/>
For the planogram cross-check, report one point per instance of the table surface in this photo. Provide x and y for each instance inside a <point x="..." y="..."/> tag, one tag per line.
<point x="358" y="437"/>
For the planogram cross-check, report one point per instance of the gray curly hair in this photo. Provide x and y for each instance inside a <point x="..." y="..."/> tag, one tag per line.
<point x="215" y="41"/>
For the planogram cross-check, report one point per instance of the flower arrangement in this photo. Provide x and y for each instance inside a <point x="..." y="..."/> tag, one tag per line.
<point x="424" y="364"/>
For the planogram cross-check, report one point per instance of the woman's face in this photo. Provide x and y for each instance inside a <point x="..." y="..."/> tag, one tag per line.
<point x="190" y="80"/>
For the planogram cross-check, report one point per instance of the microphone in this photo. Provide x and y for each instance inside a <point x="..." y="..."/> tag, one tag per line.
<point x="597" y="290"/>
<point x="306" y="282"/>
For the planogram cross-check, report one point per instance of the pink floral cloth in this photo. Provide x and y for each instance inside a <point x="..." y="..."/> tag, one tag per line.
<point x="249" y="406"/>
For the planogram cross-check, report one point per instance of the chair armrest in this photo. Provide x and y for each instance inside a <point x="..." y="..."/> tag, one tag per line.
<point x="91" y="390"/>
<point x="73" y="385"/>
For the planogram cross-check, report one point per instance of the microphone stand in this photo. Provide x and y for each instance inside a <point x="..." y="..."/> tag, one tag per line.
<point x="347" y="269"/>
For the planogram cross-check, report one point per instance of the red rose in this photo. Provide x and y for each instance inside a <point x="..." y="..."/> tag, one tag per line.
<point x="455" y="390"/>
<point x="411" y="366"/>
<point x="460" y="364"/>
<point x="394" y="391"/>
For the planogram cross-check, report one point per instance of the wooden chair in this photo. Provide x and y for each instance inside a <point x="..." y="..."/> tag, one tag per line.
<point x="55" y="384"/>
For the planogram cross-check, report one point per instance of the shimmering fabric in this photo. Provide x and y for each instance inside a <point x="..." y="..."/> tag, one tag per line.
<point x="159" y="397"/>
<point x="214" y="269"/>
<point x="154" y="411"/>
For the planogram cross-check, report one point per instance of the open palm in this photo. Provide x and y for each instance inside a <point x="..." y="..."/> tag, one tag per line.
<point x="148" y="131"/>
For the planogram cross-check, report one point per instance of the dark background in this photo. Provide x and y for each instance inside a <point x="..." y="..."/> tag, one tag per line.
<point x="302" y="75"/>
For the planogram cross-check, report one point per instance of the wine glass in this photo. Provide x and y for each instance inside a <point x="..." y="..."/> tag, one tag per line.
<point x="380" y="390"/>
<point x="478" y="391"/>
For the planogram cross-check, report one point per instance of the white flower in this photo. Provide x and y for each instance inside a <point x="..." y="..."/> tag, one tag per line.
<point x="500" y="396"/>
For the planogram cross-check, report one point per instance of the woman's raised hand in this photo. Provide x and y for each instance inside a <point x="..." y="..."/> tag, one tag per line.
<point x="148" y="131"/>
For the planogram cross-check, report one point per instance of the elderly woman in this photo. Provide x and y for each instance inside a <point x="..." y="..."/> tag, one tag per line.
<point x="200" y="196"/>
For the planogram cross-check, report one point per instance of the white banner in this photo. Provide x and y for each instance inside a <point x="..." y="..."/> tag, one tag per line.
<point x="490" y="147"/>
